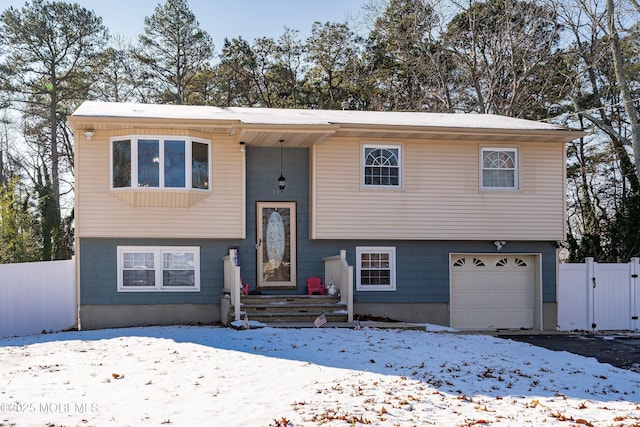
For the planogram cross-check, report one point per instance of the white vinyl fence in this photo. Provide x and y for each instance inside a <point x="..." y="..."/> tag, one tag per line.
<point x="36" y="297"/>
<point x="594" y="296"/>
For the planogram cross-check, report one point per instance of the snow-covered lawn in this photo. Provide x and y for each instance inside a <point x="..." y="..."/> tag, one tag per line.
<point x="208" y="376"/>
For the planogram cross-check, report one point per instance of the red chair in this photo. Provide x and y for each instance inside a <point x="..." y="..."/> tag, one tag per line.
<point x="315" y="286"/>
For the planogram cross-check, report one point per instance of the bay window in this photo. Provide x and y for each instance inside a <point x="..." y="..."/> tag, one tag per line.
<point x="160" y="163"/>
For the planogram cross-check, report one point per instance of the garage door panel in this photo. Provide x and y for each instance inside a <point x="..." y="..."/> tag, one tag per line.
<point x="496" y="320"/>
<point x="507" y="319"/>
<point x="493" y="299"/>
<point x="492" y="291"/>
<point x="506" y="285"/>
<point x="512" y="300"/>
<point x="473" y="299"/>
<point x="513" y="319"/>
<point x="487" y="280"/>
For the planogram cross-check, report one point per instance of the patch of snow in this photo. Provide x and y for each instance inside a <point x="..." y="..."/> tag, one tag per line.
<point x="280" y="116"/>
<point x="251" y="324"/>
<point x="437" y="328"/>
<point x="191" y="376"/>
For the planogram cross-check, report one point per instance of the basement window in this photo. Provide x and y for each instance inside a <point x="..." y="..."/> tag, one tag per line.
<point x="152" y="268"/>
<point x="375" y="268"/>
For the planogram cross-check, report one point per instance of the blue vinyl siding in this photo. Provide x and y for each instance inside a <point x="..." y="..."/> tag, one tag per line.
<point x="422" y="269"/>
<point x="98" y="272"/>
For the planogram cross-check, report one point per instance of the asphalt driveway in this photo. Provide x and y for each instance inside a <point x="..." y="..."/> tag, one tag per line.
<point x="620" y="350"/>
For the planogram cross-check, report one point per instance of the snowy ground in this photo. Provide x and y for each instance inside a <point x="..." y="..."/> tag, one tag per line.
<point x="206" y="376"/>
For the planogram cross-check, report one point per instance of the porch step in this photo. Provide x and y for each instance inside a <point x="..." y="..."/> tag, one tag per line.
<point x="292" y="317"/>
<point x="283" y="309"/>
<point x="280" y="299"/>
<point x="299" y="308"/>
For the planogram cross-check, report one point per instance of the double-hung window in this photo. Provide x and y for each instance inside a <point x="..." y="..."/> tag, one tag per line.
<point x="170" y="268"/>
<point x="381" y="166"/>
<point x="160" y="162"/>
<point x="499" y="168"/>
<point x="375" y="268"/>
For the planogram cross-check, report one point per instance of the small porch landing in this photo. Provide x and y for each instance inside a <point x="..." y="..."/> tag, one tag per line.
<point x="286" y="309"/>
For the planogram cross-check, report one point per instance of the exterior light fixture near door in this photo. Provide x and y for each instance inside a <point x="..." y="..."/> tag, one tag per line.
<point x="499" y="244"/>
<point x="282" y="182"/>
<point x="243" y="147"/>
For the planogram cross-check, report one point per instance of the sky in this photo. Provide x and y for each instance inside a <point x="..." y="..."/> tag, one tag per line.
<point x="225" y="18"/>
<point x="202" y="376"/>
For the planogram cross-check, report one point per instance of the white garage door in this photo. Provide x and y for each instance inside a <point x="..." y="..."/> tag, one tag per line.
<point x="492" y="291"/>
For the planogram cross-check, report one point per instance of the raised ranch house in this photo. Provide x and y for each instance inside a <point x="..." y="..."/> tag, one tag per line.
<point x="451" y="219"/>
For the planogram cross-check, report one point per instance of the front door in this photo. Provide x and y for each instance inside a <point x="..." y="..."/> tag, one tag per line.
<point x="276" y="232"/>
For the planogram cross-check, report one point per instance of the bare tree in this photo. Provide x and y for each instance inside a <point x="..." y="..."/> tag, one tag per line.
<point x="627" y="99"/>
<point x="505" y="53"/>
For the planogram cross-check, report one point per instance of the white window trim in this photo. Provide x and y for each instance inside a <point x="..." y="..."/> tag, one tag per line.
<point x="392" y="266"/>
<point x="516" y="180"/>
<point x="161" y="138"/>
<point x="363" y="159"/>
<point x="158" y="251"/>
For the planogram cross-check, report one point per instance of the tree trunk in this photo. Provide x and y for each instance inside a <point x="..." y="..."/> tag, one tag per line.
<point x="53" y="124"/>
<point x="618" y="65"/>
<point x="1" y="169"/>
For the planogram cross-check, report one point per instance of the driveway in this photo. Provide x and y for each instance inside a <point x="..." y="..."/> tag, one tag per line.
<point x="620" y="350"/>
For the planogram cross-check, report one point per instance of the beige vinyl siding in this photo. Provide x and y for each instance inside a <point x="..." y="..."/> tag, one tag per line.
<point x="102" y="212"/>
<point x="441" y="197"/>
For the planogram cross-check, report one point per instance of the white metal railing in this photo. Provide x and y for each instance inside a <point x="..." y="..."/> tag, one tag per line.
<point x="232" y="282"/>
<point x="340" y="273"/>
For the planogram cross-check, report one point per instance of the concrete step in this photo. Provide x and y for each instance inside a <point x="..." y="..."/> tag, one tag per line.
<point x="293" y="299"/>
<point x="291" y="317"/>
<point x="292" y="308"/>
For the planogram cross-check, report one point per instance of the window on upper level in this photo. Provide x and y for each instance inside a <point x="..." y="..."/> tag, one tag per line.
<point x="499" y="168"/>
<point x="381" y="166"/>
<point x="160" y="162"/>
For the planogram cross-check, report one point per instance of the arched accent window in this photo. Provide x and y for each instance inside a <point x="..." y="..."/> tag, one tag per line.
<point x="382" y="166"/>
<point x="520" y="263"/>
<point x="478" y="262"/>
<point x="459" y="263"/>
<point x="500" y="168"/>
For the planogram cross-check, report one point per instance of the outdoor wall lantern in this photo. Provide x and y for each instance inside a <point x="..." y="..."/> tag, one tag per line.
<point x="282" y="182"/>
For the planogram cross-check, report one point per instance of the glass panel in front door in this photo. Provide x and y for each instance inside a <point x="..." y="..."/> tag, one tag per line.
<point x="276" y="245"/>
